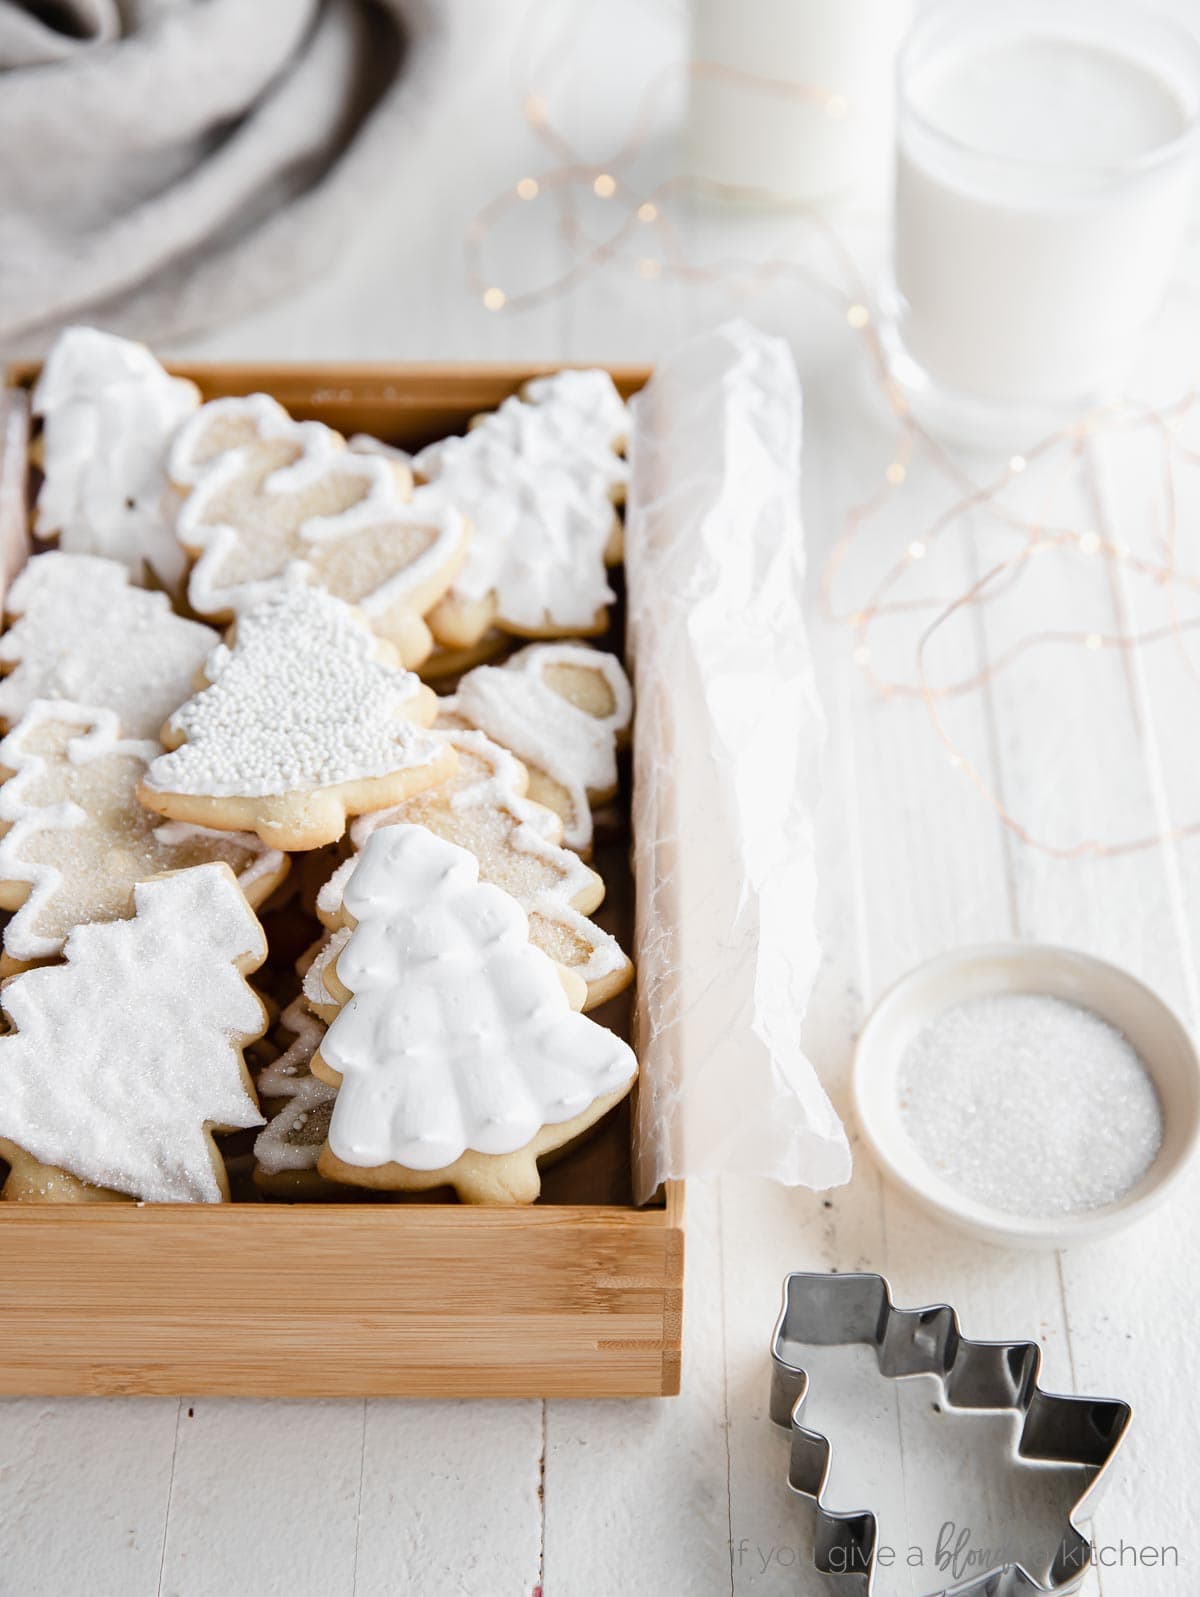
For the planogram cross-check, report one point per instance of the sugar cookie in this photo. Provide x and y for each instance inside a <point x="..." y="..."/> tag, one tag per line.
<point x="269" y="496"/>
<point x="76" y="839"/>
<point x="561" y="708"/>
<point x="320" y="957"/>
<point x="461" y="1058"/>
<point x="82" y="633"/>
<point x="306" y="719"/>
<point x="539" y="480"/>
<point x="126" y="1058"/>
<point x="483" y="808"/>
<point x="285" y="1153"/>
<point x="109" y="412"/>
<point x="443" y="665"/>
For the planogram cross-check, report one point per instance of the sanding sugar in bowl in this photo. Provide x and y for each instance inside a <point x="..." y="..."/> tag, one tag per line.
<point x="1030" y="1105"/>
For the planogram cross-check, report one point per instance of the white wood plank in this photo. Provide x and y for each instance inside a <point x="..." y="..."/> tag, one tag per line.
<point x="264" y="1497"/>
<point x="450" y="1499"/>
<point x="934" y="868"/>
<point x="83" y="1494"/>
<point x="1133" y="772"/>
<point x="637" y="1492"/>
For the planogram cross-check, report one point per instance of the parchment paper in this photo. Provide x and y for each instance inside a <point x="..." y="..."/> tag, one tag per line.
<point x="727" y="744"/>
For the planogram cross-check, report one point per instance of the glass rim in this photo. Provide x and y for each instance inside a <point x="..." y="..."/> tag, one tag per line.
<point x="1047" y="17"/>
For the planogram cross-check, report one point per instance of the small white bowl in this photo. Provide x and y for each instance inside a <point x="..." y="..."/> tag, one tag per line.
<point x="1154" y="1030"/>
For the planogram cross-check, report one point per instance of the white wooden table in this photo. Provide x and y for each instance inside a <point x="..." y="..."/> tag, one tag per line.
<point x="131" y="1497"/>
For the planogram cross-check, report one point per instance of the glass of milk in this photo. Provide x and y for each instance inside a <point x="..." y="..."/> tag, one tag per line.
<point x="791" y="101"/>
<point x="1045" y="162"/>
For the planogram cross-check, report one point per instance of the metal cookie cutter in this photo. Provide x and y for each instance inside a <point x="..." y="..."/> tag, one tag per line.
<point x="829" y="1310"/>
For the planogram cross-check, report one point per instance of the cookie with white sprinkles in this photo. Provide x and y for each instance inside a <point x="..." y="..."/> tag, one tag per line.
<point x="307" y="718"/>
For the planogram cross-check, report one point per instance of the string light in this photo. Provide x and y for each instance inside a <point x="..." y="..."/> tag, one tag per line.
<point x="628" y="211"/>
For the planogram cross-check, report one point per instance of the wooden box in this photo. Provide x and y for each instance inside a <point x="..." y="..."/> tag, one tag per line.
<point x="570" y="1297"/>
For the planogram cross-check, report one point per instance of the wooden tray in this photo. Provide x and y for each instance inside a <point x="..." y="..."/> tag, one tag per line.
<point x="569" y="1297"/>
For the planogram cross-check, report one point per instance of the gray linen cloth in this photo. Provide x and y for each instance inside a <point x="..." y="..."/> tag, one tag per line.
<point x="165" y="165"/>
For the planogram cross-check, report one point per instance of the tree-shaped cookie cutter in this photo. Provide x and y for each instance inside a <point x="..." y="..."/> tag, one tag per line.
<point x="832" y="1310"/>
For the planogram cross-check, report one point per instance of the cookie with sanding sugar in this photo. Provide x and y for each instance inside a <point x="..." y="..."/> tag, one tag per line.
<point x="268" y="496"/>
<point x="462" y="1058"/>
<point x="81" y="632"/>
<point x="307" y="718"/>
<point x="76" y="840"/>
<point x="123" y="1061"/>
<point x="539" y="479"/>
<point x="562" y="709"/>
<point x="518" y="844"/>
<point x="109" y="412"/>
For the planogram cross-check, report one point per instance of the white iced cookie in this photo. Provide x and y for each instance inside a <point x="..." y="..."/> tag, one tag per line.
<point x="459" y="1054"/>
<point x="125" y="1059"/>
<point x="562" y="709"/>
<point x="539" y="479"/>
<point x="518" y="844"/>
<point x="81" y="632"/>
<point x="286" y="1150"/>
<point x="307" y="718"/>
<point x="109" y="412"/>
<point x="268" y="496"/>
<point x="75" y="838"/>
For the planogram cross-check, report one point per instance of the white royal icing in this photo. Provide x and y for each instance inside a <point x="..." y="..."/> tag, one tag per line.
<point x="121" y="1056"/>
<point x="459" y="1034"/>
<point x="537" y="479"/>
<point x="482" y="808"/>
<point x="109" y="413"/>
<point x="514" y="704"/>
<point x="84" y="634"/>
<point x="293" y="1137"/>
<point x="299" y="701"/>
<point x="82" y="858"/>
<point x="277" y="535"/>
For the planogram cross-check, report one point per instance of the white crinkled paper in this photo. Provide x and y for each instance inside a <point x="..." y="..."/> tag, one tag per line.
<point x="727" y="745"/>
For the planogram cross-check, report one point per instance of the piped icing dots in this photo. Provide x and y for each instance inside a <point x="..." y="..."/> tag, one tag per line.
<point x="76" y="838"/>
<point x="109" y="412"/>
<point x="460" y="1034"/>
<point x="538" y="479"/>
<point x="122" y="1057"/>
<point x="81" y="632"/>
<point x="301" y="699"/>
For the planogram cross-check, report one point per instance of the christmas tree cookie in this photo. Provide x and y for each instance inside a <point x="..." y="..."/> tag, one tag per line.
<point x="562" y="709"/>
<point x="76" y="839"/>
<point x="307" y="718"/>
<point x="123" y="1061"/>
<point x="539" y="479"/>
<point x="81" y="632"/>
<point x="286" y="1150"/>
<point x="518" y="844"/>
<point x="462" y="1058"/>
<point x="109" y="412"/>
<point x="269" y="496"/>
